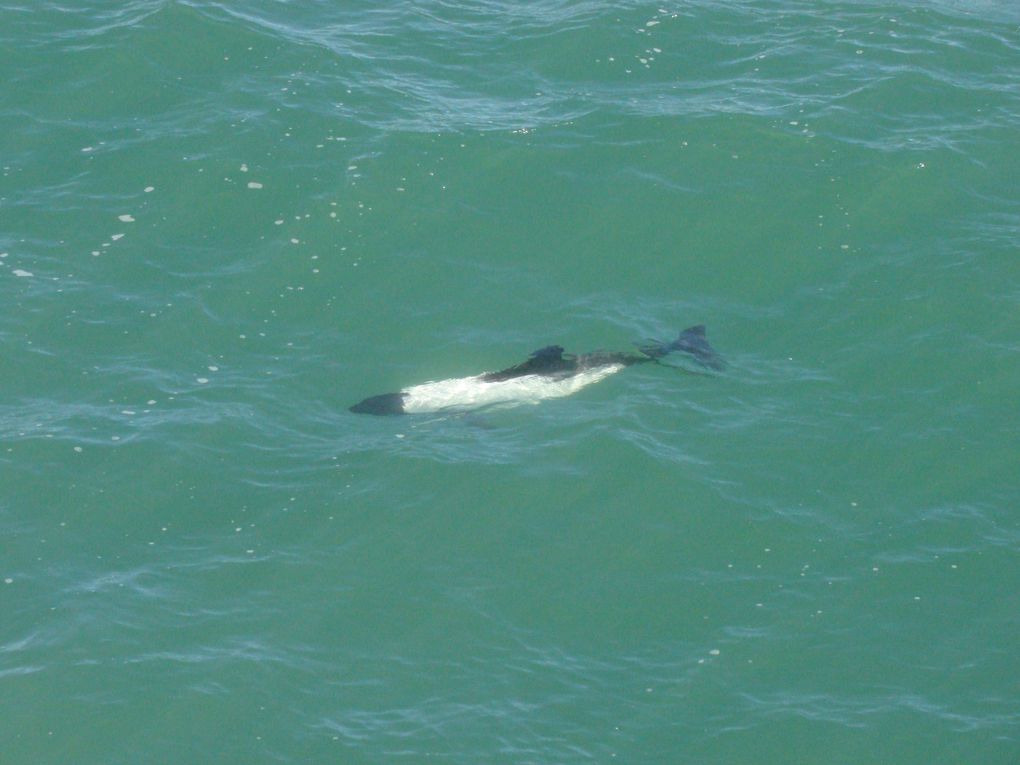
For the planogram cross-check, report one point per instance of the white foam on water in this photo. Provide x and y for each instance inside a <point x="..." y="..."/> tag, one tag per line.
<point x="465" y="393"/>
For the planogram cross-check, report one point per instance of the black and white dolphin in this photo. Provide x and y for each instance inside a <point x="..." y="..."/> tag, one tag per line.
<point x="547" y="373"/>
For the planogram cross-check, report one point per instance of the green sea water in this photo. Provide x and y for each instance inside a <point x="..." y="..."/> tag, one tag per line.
<point x="221" y="224"/>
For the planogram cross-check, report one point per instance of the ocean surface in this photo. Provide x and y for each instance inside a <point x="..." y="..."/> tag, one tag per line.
<point x="223" y="223"/>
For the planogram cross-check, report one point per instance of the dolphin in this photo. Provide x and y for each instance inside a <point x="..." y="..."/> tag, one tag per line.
<point x="547" y="373"/>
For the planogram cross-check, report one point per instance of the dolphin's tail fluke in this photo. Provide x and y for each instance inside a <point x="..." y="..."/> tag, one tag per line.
<point x="691" y="341"/>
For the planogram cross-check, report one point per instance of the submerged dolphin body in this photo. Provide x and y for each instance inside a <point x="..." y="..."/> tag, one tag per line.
<point x="547" y="373"/>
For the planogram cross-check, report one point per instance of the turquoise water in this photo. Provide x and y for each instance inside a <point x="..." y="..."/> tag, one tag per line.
<point x="221" y="224"/>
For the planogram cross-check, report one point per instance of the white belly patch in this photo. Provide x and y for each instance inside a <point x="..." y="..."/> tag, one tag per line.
<point x="473" y="392"/>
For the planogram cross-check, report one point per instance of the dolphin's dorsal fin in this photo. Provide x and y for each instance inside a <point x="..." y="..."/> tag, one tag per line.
<point x="544" y="361"/>
<point x="549" y="353"/>
<point x="698" y="330"/>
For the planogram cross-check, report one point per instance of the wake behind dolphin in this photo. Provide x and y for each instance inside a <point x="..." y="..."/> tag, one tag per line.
<point x="547" y="373"/>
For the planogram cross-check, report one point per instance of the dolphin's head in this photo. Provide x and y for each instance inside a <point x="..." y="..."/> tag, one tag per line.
<point x="385" y="403"/>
